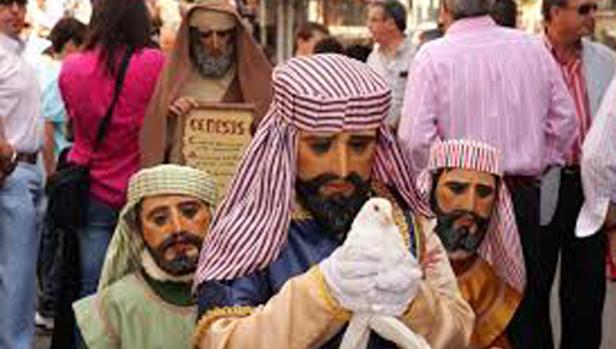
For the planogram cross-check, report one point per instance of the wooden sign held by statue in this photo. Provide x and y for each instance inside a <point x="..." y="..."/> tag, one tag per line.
<point x="214" y="138"/>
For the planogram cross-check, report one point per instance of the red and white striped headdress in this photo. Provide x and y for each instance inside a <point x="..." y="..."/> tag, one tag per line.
<point x="322" y="93"/>
<point x="501" y="246"/>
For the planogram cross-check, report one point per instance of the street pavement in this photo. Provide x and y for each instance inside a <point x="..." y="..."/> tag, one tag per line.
<point x="609" y="317"/>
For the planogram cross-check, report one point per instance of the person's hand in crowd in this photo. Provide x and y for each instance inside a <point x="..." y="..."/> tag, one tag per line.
<point x="182" y="106"/>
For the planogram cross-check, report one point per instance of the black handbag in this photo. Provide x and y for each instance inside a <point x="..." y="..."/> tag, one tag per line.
<point x="68" y="189"/>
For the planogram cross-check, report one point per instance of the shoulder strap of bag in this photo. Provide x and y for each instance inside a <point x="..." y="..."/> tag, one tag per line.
<point x="104" y="123"/>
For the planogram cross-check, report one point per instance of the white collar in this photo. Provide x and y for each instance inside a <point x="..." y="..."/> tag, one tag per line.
<point x="11" y="44"/>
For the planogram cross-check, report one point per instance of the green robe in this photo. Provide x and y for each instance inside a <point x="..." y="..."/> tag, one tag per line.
<point x="135" y="313"/>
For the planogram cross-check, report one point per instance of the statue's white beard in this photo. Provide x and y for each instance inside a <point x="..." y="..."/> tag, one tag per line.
<point x="213" y="67"/>
<point x="155" y="272"/>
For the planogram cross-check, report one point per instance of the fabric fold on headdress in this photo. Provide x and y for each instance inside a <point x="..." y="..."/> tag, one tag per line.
<point x="323" y="93"/>
<point x="124" y="252"/>
<point x="501" y="246"/>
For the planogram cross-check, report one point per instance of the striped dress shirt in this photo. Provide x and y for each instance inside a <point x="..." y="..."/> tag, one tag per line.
<point x="492" y="84"/>
<point x="573" y="73"/>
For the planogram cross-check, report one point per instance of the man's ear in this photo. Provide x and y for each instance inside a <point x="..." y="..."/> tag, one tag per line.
<point x="554" y="12"/>
<point x="391" y="24"/>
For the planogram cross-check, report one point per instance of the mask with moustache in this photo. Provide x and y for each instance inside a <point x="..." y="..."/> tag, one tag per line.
<point x="334" y="213"/>
<point x="181" y="263"/>
<point x="460" y="238"/>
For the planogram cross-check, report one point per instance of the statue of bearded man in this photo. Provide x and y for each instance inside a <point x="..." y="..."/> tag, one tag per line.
<point x="144" y="297"/>
<point x="214" y="60"/>
<point x="475" y="222"/>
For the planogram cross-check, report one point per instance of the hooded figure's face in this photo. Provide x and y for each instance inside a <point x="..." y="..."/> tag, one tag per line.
<point x="333" y="174"/>
<point x="212" y="42"/>
<point x="173" y="227"/>
<point x="463" y="201"/>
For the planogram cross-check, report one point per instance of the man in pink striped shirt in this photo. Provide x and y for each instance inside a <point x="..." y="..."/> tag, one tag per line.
<point x="587" y="69"/>
<point x="502" y="87"/>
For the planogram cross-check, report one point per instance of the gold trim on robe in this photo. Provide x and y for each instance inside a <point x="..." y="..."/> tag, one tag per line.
<point x="493" y="301"/>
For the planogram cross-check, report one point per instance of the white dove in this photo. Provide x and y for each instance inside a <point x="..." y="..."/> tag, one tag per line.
<point x="374" y="226"/>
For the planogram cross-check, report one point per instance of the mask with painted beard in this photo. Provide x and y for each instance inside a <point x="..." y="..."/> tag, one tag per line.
<point x="172" y="254"/>
<point x="208" y="65"/>
<point x="460" y="238"/>
<point x="334" y="213"/>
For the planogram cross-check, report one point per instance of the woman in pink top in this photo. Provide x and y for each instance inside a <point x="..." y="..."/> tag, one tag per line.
<point x="87" y="81"/>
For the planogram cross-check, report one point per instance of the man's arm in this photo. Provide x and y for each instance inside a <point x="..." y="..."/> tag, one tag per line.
<point x="302" y="315"/>
<point x="561" y="124"/>
<point x="599" y="169"/>
<point x="417" y="129"/>
<point x="9" y="69"/>
<point x="439" y="313"/>
<point x="49" y="155"/>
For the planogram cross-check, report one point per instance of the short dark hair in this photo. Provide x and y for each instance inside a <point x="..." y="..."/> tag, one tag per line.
<point x="467" y="8"/>
<point x="359" y="52"/>
<point x="395" y="10"/>
<point x="329" y="45"/>
<point x="67" y="29"/>
<point x="547" y="5"/>
<point x="504" y="12"/>
<point x="305" y="31"/>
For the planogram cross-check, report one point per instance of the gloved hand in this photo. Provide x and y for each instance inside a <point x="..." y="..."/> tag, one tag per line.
<point x="397" y="283"/>
<point x="362" y="280"/>
<point x="351" y="276"/>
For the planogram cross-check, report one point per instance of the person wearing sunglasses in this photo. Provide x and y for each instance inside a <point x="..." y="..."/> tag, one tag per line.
<point x="215" y="60"/>
<point x="21" y="188"/>
<point x="587" y="68"/>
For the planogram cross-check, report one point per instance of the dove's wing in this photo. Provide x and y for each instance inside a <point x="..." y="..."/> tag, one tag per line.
<point x="357" y="333"/>
<point x="395" y="331"/>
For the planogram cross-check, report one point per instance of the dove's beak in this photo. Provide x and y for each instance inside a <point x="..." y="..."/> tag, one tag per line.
<point x="388" y="220"/>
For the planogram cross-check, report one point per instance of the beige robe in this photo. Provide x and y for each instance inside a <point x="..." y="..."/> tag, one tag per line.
<point x="305" y="315"/>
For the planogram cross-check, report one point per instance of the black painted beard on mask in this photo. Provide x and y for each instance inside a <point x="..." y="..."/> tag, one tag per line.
<point x="455" y="239"/>
<point x="335" y="213"/>
<point x="210" y="66"/>
<point x="181" y="264"/>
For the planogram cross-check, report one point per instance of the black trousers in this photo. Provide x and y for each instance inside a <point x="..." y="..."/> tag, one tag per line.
<point x="527" y="329"/>
<point x="582" y="270"/>
<point x="582" y="280"/>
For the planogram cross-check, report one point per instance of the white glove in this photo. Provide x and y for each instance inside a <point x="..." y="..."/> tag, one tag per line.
<point x="351" y="276"/>
<point x="397" y="284"/>
<point x="362" y="281"/>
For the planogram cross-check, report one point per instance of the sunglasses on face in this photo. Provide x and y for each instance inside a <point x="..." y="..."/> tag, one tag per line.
<point x="585" y="9"/>
<point x="21" y="3"/>
<point x="221" y="34"/>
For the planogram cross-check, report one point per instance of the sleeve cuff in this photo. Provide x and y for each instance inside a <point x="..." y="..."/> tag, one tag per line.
<point x="331" y="304"/>
<point x="211" y="316"/>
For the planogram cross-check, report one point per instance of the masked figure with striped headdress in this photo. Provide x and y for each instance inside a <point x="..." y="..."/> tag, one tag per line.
<point x="275" y="271"/>
<point x="475" y="221"/>
<point x="144" y="297"/>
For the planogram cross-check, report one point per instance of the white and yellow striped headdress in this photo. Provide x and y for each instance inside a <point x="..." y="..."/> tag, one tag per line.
<point x="123" y="254"/>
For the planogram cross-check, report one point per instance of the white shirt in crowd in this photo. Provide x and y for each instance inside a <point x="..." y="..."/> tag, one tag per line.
<point x="20" y="98"/>
<point x="599" y="167"/>
<point x="395" y="71"/>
